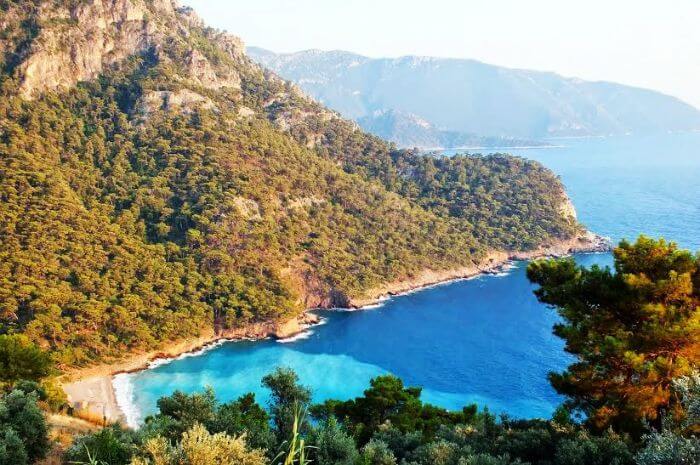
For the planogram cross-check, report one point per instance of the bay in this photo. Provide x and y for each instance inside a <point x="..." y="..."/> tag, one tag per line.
<point x="486" y="340"/>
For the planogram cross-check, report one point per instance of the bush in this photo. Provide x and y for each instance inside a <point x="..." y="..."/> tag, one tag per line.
<point x="48" y="392"/>
<point x="112" y="445"/>
<point x="586" y="450"/>
<point x="12" y="451"/>
<point x="668" y="448"/>
<point x="377" y="452"/>
<point x="244" y="415"/>
<point x="333" y="445"/>
<point x="21" y="418"/>
<point x="199" y="447"/>
<point x="21" y="359"/>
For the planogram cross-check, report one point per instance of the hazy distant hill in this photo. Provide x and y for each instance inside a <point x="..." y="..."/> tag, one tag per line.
<point x="409" y="130"/>
<point x="478" y="98"/>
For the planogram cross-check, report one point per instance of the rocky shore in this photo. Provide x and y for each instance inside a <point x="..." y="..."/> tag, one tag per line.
<point x="491" y="263"/>
<point x="91" y="389"/>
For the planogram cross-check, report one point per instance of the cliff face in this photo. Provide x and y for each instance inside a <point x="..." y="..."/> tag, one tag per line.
<point x="79" y="42"/>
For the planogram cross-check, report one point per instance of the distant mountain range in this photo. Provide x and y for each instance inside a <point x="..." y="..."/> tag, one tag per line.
<point x="427" y="101"/>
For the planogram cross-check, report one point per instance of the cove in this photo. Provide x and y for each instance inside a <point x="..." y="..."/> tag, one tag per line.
<point x="486" y="340"/>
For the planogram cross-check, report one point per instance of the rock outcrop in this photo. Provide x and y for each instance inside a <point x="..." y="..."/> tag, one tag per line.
<point x="107" y="32"/>
<point x="77" y="43"/>
<point x="183" y="100"/>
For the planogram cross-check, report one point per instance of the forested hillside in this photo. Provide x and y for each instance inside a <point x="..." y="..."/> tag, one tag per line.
<point x="156" y="182"/>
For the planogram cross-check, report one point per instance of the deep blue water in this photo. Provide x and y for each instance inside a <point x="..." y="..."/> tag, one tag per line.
<point x="485" y="340"/>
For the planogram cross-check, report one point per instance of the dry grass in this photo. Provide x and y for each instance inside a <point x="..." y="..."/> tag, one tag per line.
<point x="63" y="430"/>
<point x="91" y="417"/>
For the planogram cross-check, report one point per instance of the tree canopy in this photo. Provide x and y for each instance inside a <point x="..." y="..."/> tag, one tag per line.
<point x="21" y="359"/>
<point x="633" y="330"/>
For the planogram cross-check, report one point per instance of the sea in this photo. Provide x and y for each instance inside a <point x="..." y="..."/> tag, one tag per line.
<point x="486" y="340"/>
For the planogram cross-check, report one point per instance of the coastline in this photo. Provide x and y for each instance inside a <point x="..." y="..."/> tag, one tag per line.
<point x="92" y="389"/>
<point x="490" y="264"/>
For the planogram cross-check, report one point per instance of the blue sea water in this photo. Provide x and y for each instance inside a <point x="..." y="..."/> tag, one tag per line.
<point x="486" y="340"/>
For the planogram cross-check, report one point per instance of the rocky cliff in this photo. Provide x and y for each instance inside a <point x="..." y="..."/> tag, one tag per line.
<point x="77" y="41"/>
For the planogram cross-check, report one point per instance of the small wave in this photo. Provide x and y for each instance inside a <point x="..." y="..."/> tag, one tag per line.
<point x="378" y="304"/>
<point x="297" y="337"/>
<point x="165" y="360"/>
<point x="306" y="332"/>
<point x="124" y="395"/>
<point x="504" y="270"/>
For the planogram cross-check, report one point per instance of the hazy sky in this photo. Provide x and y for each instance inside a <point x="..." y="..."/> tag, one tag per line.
<point x="648" y="43"/>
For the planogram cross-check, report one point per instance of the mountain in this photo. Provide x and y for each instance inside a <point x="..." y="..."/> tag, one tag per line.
<point x="409" y="130"/>
<point x="477" y="98"/>
<point x="157" y="184"/>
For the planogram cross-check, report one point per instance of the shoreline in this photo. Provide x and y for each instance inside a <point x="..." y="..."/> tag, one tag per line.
<point x="490" y="264"/>
<point x="93" y="389"/>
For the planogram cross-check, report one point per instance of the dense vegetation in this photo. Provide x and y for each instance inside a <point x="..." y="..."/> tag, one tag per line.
<point x="123" y="225"/>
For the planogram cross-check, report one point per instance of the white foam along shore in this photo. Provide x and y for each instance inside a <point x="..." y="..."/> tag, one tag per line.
<point x="306" y="332"/>
<point x="503" y="270"/>
<point x="124" y="394"/>
<point x="123" y="386"/>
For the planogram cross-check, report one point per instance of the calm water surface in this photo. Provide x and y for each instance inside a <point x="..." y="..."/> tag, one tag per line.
<point x="485" y="340"/>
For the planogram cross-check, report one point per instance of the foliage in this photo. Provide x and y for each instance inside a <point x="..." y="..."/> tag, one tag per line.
<point x="20" y="359"/>
<point x="376" y="452"/>
<point x="288" y="398"/>
<point x="124" y="226"/>
<point x="333" y="445"/>
<point x="12" y="450"/>
<point x="633" y="331"/>
<point x="584" y="449"/>
<point x="50" y="395"/>
<point x="23" y="428"/>
<point x="112" y="445"/>
<point x="667" y="448"/>
<point x="295" y="450"/>
<point x="387" y="401"/>
<point x="199" y="447"/>
<point x="187" y="410"/>
<point x="179" y="412"/>
<point x="687" y="389"/>
<point x="244" y="416"/>
<point x="678" y="442"/>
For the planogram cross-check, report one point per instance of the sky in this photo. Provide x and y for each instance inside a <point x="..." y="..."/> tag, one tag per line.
<point x="646" y="43"/>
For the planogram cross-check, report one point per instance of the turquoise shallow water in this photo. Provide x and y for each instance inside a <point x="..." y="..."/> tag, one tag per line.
<point x="485" y="340"/>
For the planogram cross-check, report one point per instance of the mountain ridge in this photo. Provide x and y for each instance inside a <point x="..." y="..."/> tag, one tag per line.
<point x="475" y="97"/>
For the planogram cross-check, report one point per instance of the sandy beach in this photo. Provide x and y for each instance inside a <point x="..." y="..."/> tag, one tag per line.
<point x="91" y="389"/>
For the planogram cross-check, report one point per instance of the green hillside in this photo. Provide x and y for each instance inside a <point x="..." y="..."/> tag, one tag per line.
<point x="182" y="187"/>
